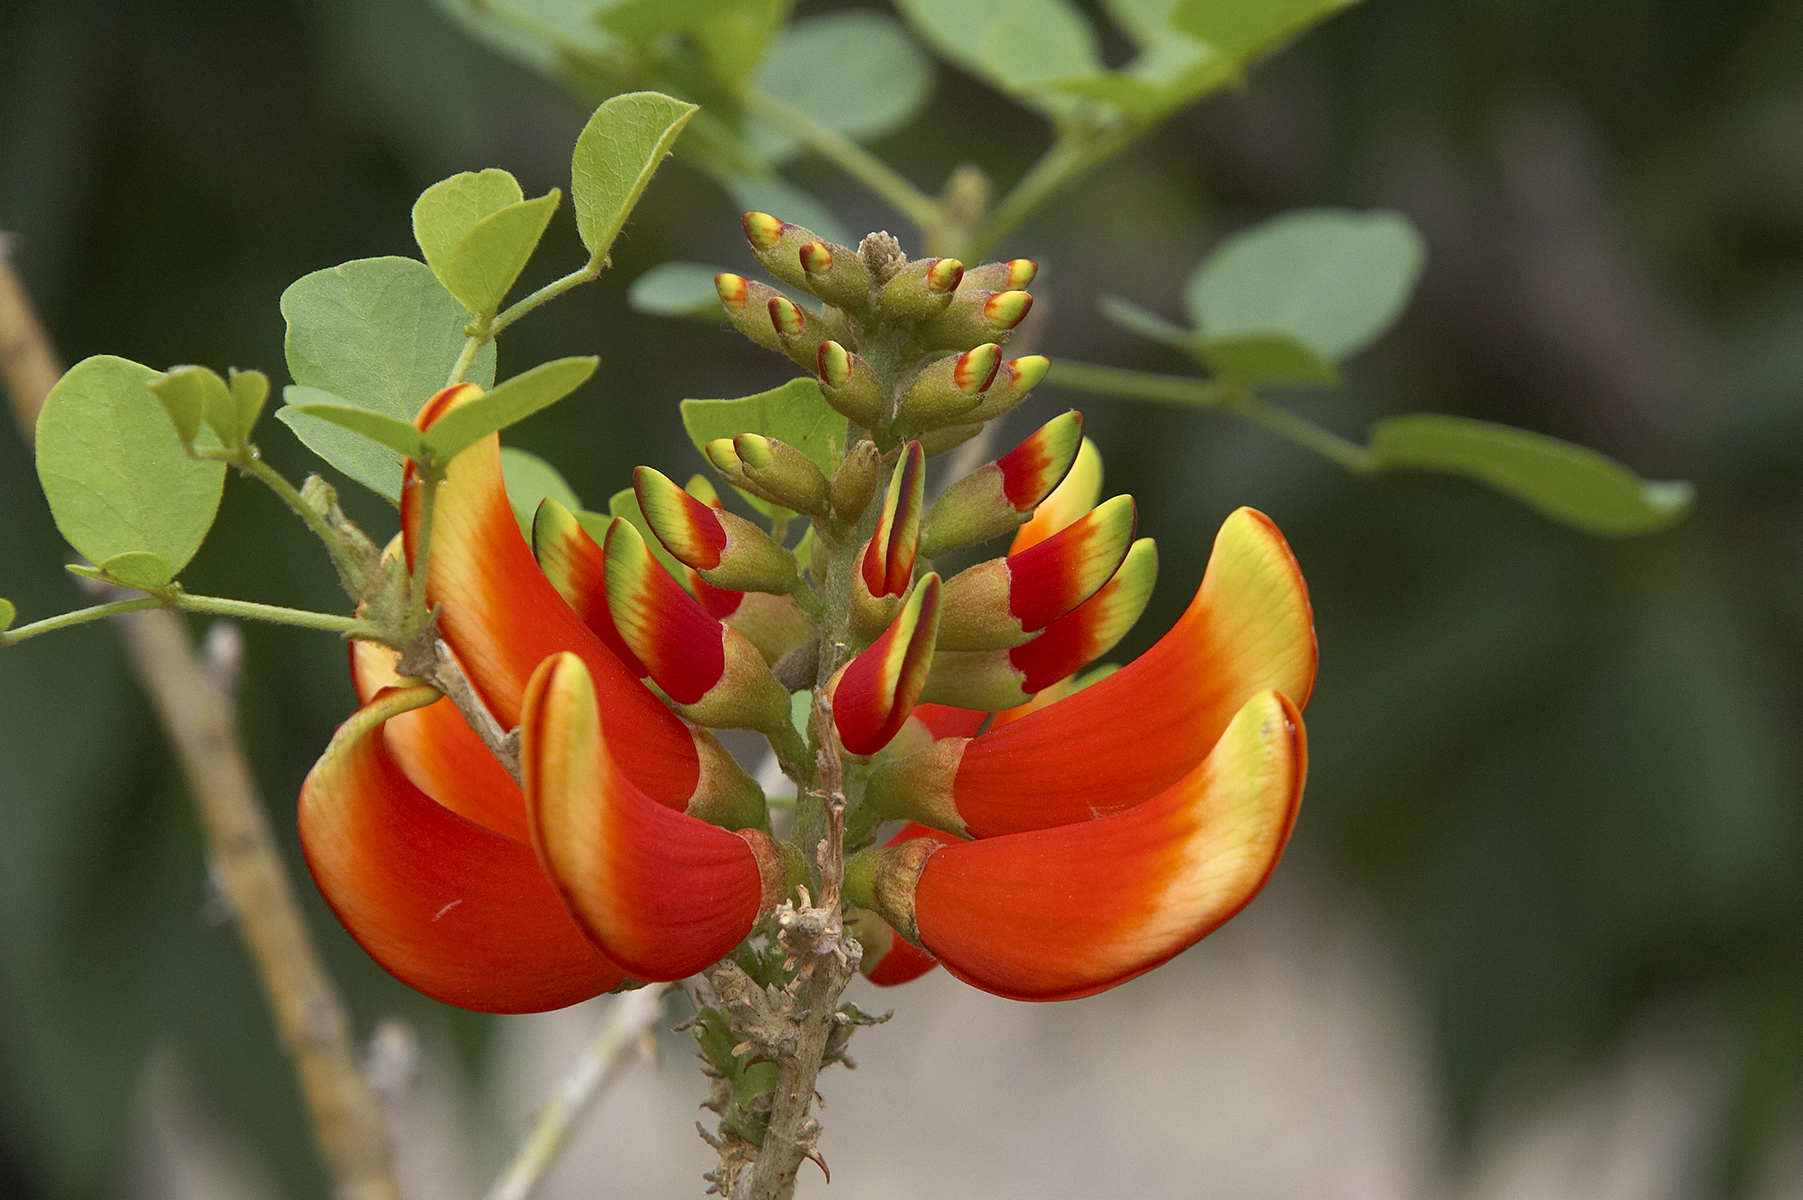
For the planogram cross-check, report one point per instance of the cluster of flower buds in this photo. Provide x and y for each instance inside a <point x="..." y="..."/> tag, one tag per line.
<point x="1062" y="831"/>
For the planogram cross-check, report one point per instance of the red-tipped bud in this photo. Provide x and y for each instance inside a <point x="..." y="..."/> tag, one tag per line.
<point x="972" y="318"/>
<point x="947" y="389"/>
<point x="1013" y="380"/>
<point x="874" y="693"/>
<point x="1073" y="497"/>
<point x="996" y="498"/>
<point x="748" y="308"/>
<point x="920" y="290"/>
<point x="1000" y="277"/>
<point x="573" y="561"/>
<point x="993" y="680"/>
<point x="709" y="670"/>
<point x="855" y="482"/>
<point x="726" y="550"/>
<point x="774" y="470"/>
<point x="836" y="275"/>
<point x="798" y="331"/>
<point x="849" y="384"/>
<point x="777" y="245"/>
<point x="887" y="564"/>
<point x="1002" y="603"/>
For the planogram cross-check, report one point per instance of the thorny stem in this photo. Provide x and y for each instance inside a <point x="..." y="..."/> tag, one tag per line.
<point x="193" y="703"/>
<point x="856" y="161"/>
<point x="600" y="1066"/>
<point x="1207" y="393"/>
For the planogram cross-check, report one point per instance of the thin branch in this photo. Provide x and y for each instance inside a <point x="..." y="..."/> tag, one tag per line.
<point x="600" y="1066"/>
<point x="1067" y="158"/>
<point x="859" y="163"/>
<point x="194" y="705"/>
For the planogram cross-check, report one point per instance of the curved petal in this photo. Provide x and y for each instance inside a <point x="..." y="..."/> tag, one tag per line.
<point x="502" y="617"/>
<point x="662" y="892"/>
<point x="439" y="753"/>
<point x="447" y="907"/>
<point x="1125" y="738"/>
<point x="1055" y="914"/>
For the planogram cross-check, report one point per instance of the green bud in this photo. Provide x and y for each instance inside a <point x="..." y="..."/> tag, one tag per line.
<point x="849" y="384"/>
<point x="249" y="390"/>
<point x="855" y="483"/>
<point x="191" y="394"/>
<point x="920" y="290"/>
<point x="836" y="275"/>
<point x="972" y="318"/>
<point x="946" y="390"/>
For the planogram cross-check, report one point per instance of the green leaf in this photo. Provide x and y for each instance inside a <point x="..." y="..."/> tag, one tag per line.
<point x="795" y="413"/>
<point x="392" y="432"/>
<point x="616" y="155"/>
<point x="250" y="389"/>
<point x="451" y="207"/>
<point x="1014" y="44"/>
<point x="1565" y="482"/>
<point x="780" y="198"/>
<point x="1331" y="279"/>
<point x="489" y="258"/>
<point x="1244" y="29"/>
<point x="512" y="401"/>
<point x="857" y="73"/>
<point x="8" y="614"/>
<point x="114" y="471"/>
<point x="644" y="21"/>
<point x="375" y="467"/>
<point x="677" y="289"/>
<point x="138" y="569"/>
<point x="625" y="504"/>
<point x="529" y="480"/>
<point x="182" y="391"/>
<point x="377" y="333"/>
<point x="1265" y="358"/>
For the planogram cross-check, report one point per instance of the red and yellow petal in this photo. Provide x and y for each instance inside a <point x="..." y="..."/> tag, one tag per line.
<point x="439" y="753"/>
<point x="1056" y="914"/>
<point x="875" y="692"/>
<point x="1128" y="737"/>
<point x="502" y="617"/>
<point x="448" y="907"/>
<point x="1076" y="494"/>
<point x="663" y="893"/>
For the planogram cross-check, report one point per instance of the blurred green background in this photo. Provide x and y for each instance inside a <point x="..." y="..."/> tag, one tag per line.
<point x="1564" y="771"/>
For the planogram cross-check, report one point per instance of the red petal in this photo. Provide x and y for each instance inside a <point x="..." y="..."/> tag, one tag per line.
<point x="665" y="894"/>
<point x="1055" y="914"/>
<point x="502" y="617"/>
<point x="446" y="906"/>
<point x="436" y="749"/>
<point x="1126" y="738"/>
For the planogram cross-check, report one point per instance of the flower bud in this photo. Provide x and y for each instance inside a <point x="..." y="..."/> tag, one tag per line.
<point x="772" y="470"/>
<point x="1075" y="495"/>
<point x="946" y="389"/>
<point x="748" y="308"/>
<point x="1002" y="603"/>
<point x="1013" y="380"/>
<point x="577" y="569"/>
<point x="920" y="290"/>
<point x="1000" y="496"/>
<point x="994" y="680"/>
<point x="1013" y="275"/>
<point x="777" y="245"/>
<point x="727" y="551"/>
<point x="714" y="675"/>
<point x="855" y="483"/>
<point x="849" y="384"/>
<point x="873" y="694"/>
<point x="886" y="567"/>
<point x="938" y="441"/>
<point x="798" y="331"/>
<point x="836" y="275"/>
<point x="972" y="318"/>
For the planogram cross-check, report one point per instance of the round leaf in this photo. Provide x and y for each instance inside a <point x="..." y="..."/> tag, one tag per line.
<point x="616" y="155"/>
<point x="488" y="259"/>
<point x="677" y="289"/>
<point x="139" y="569"/>
<point x="1331" y="279"/>
<point x="856" y="72"/>
<point x="1567" y="483"/>
<point x="114" y="470"/>
<point x="8" y="614"/>
<point x="449" y="209"/>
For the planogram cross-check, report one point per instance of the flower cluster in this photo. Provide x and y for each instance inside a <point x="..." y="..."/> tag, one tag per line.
<point x="1063" y="828"/>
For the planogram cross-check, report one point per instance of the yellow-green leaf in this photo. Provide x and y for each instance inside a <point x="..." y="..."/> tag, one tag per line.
<point x="512" y="401"/>
<point x="489" y="258"/>
<point x="138" y="569"/>
<point x="616" y="155"/>
<point x="451" y="207"/>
